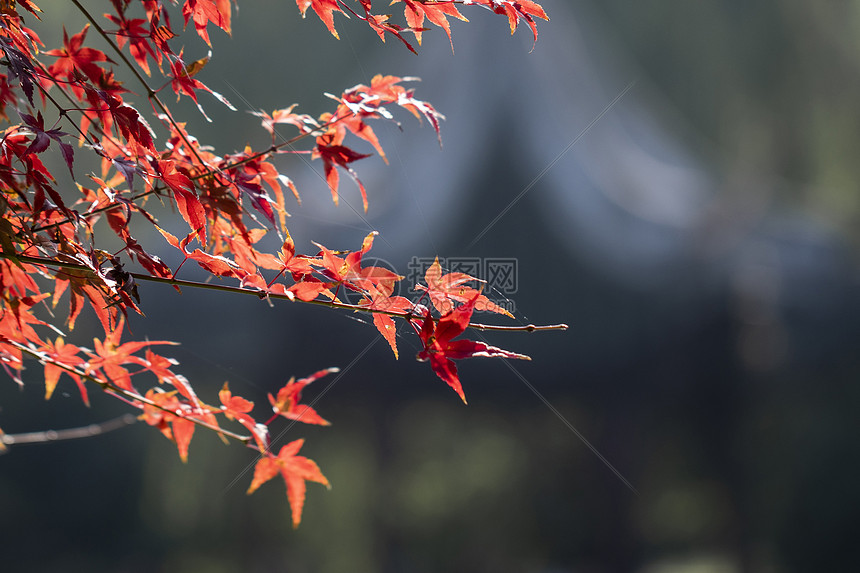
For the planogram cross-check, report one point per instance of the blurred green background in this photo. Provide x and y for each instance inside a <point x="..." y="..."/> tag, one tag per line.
<point x="700" y="237"/>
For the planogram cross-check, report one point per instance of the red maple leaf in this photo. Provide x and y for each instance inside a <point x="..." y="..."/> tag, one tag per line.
<point x="111" y="110"/>
<point x="289" y="262"/>
<point x="366" y="100"/>
<point x="66" y="354"/>
<point x="215" y="264"/>
<point x="295" y="470"/>
<point x="133" y="32"/>
<point x="42" y="138"/>
<point x="160" y="35"/>
<point x="302" y="121"/>
<point x="249" y="175"/>
<point x="237" y="408"/>
<point x="436" y="12"/>
<point x="445" y="290"/>
<point x="516" y="10"/>
<point x="75" y="58"/>
<point x="380" y="25"/>
<point x="160" y="366"/>
<point x="307" y="286"/>
<point x="110" y="356"/>
<point x="183" y="82"/>
<point x="205" y="11"/>
<point x="356" y="105"/>
<point x="384" y="323"/>
<point x="325" y="9"/>
<point x="287" y="402"/>
<point x="349" y="272"/>
<point x="176" y="428"/>
<point x="183" y="191"/>
<point x="335" y="155"/>
<point x="441" y="351"/>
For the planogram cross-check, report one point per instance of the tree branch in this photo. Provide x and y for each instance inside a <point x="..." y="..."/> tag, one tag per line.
<point x="69" y="433"/>
<point x="262" y="295"/>
<point x="133" y="397"/>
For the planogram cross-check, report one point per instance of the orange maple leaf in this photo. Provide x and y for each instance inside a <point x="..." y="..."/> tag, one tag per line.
<point x="287" y="402"/>
<point x="295" y="470"/>
<point x="445" y="290"/>
<point x="325" y="9"/>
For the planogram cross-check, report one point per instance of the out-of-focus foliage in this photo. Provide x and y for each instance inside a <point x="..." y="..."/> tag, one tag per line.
<point x="772" y="86"/>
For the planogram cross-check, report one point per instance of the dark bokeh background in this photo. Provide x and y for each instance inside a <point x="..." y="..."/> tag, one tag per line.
<point x="700" y="239"/>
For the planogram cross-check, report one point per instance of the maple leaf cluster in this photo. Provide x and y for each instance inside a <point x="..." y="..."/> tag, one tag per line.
<point x="436" y="12"/>
<point x="149" y="164"/>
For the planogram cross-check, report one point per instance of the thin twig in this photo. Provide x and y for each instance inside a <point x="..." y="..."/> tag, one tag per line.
<point x="522" y="328"/>
<point x="150" y="93"/>
<point x="69" y="433"/>
<point x="94" y="212"/>
<point x="134" y="397"/>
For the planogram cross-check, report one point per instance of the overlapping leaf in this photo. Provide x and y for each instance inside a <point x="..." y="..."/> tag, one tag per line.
<point x="445" y="291"/>
<point x="441" y="350"/>
<point x="202" y="12"/>
<point x="75" y="58"/>
<point x="287" y="404"/>
<point x="435" y="11"/>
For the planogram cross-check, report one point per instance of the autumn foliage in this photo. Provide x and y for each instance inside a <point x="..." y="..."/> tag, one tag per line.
<point x="65" y="101"/>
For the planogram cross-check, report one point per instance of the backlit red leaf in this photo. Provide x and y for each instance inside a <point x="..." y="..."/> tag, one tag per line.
<point x="325" y="9"/>
<point x="205" y="11"/>
<point x="294" y="469"/>
<point x="449" y="289"/>
<point x="440" y="350"/>
<point x="75" y="58"/>
<point x="183" y="191"/>
<point x="287" y="404"/>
